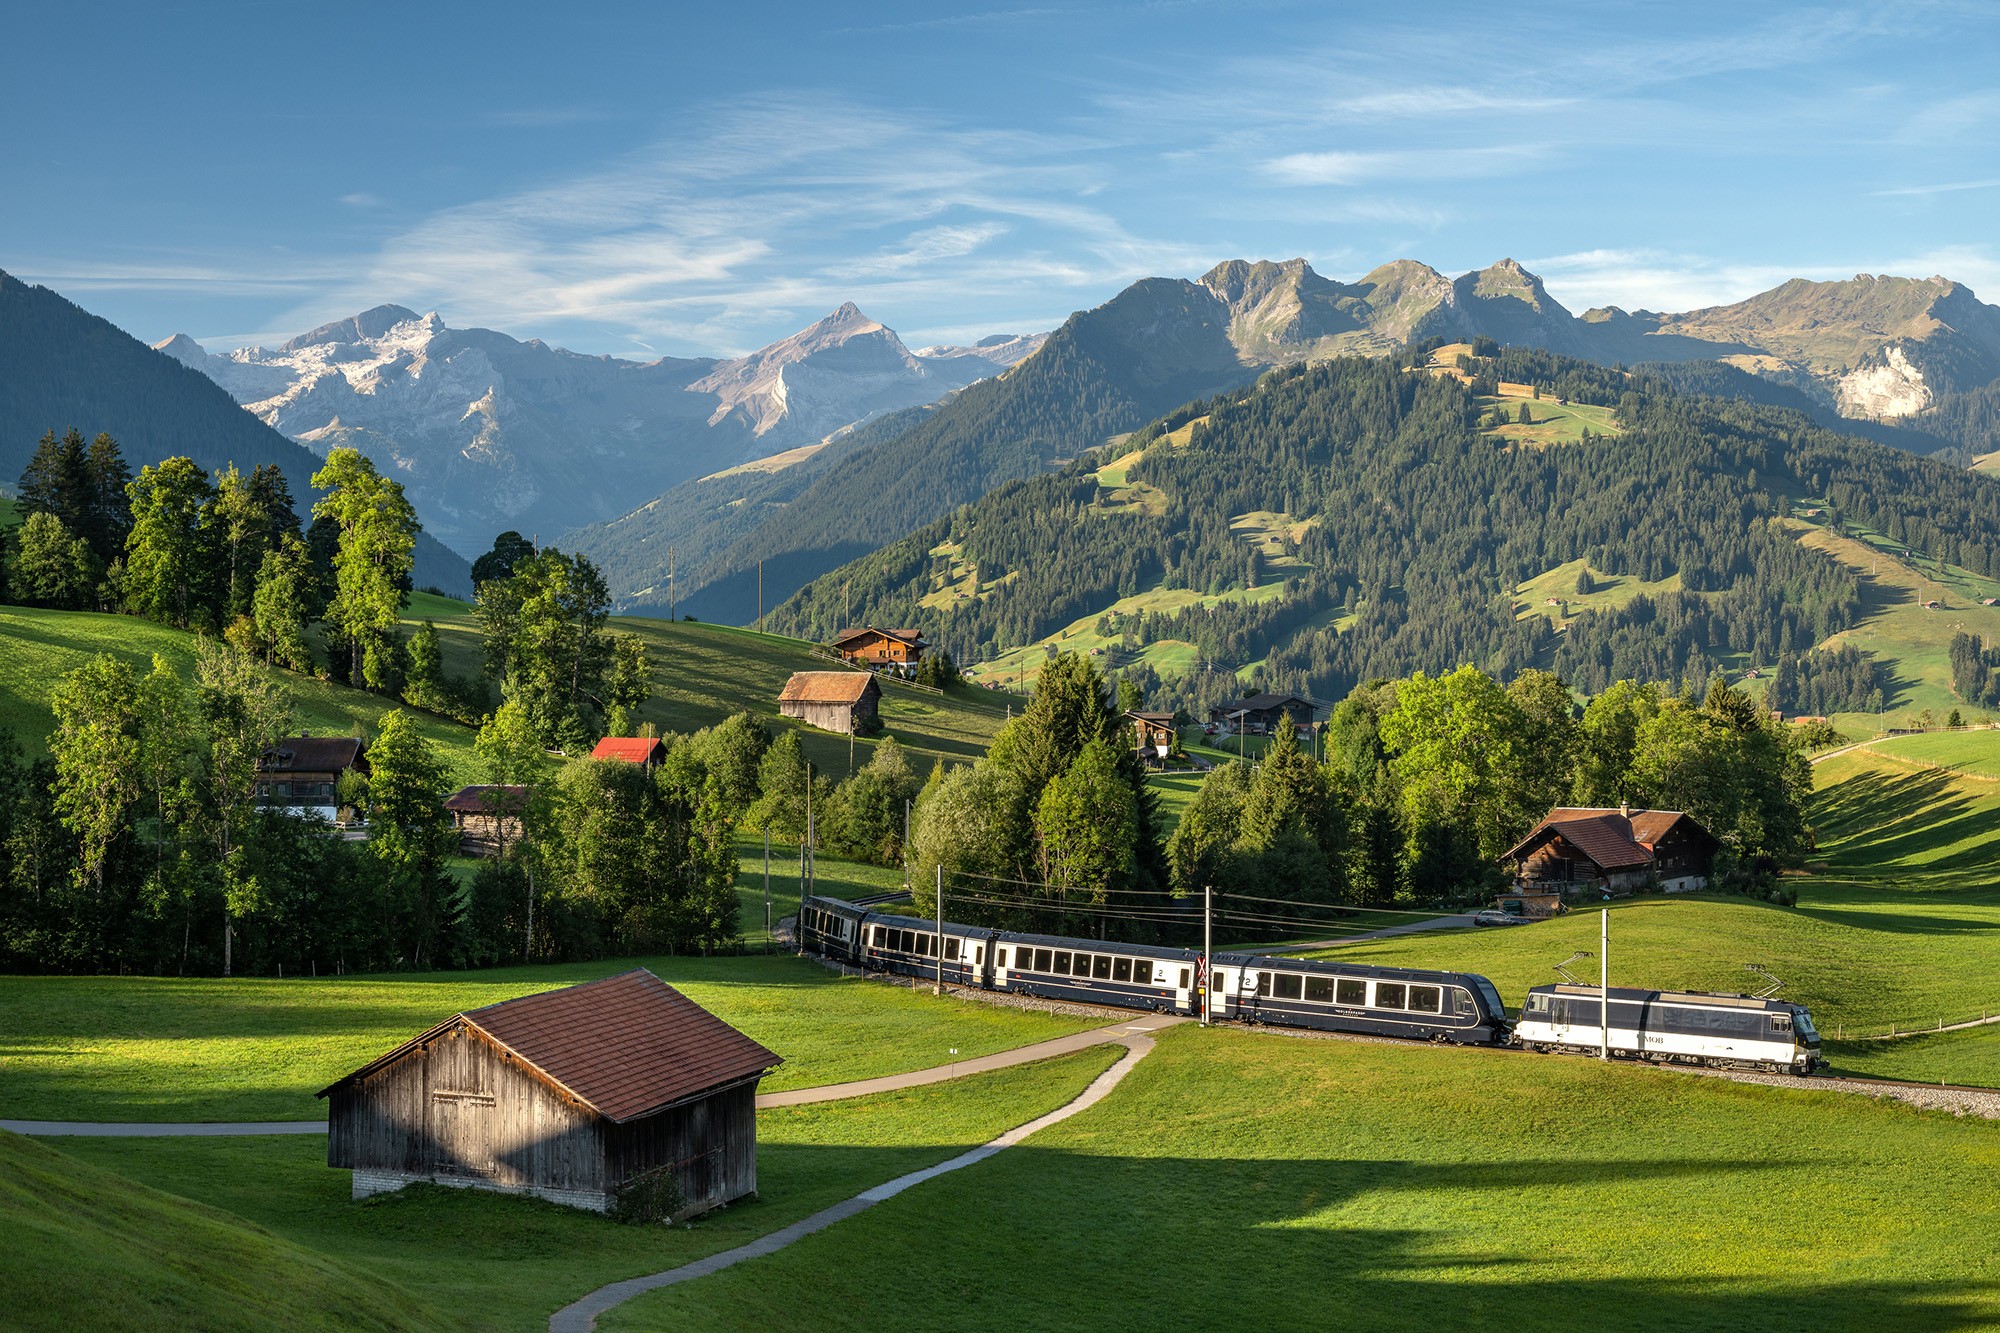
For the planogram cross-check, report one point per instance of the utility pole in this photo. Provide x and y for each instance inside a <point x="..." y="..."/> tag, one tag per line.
<point x="1604" y="983"/>
<point x="1202" y="985"/>
<point x="673" y="602"/>
<point x="850" y="749"/>
<point x="760" y="596"/>
<point x="940" y="926"/>
<point x="811" y="869"/>
<point x="767" y="882"/>
<point x="528" y="940"/>
<point x="906" y="844"/>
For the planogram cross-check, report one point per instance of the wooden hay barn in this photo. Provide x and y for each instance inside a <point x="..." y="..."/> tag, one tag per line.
<point x="645" y="750"/>
<point x="566" y="1095"/>
<point x="832" y="700"/>
<point x="1620" y="850"/>
<point x="488" y="818"/>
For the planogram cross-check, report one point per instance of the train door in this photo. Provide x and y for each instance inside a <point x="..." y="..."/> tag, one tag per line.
<point x="1219" y="979"/>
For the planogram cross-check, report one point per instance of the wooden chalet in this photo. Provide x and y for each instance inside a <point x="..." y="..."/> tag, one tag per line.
<point x="488" y="818"/>
<point x="845" y="701"/>
<point x="566" y="1095"/>
<point x="881" y="649"/>
<point x="1153" y="735"/>
<point x="1620" y="850"/>
<point x="644" y="750"/>
<point x="1260" y="713"/>
<point x="300" y="773"/>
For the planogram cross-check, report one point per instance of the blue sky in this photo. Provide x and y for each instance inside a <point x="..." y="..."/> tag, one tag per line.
<point x="674" y="179"/>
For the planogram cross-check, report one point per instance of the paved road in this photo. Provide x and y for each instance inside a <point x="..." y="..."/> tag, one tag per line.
<point x="1456" y="921"/>
<point x="581" y="1317"/>
<point x="123" y="1130"/>
<point x="832" y="1092"/>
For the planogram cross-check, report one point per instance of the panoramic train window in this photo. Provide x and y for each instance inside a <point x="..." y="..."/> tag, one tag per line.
<point x="1263" y="983"/>
<point x="1142" y="971"/>
<point x="1100" y="967"/>
<point x="951" y="947"/>
<point x="1061" y="965"/>
<point x="1121" y="969"/>
<point x="1288" y="986"/>
<point x="1350" y="992"/>
<point x="1388" y="995"/>
<point x="1041" y="960"/>
<point x="1319" y="990"/>
<point x="1424" y="999"/>
<point x="880" y="933"/>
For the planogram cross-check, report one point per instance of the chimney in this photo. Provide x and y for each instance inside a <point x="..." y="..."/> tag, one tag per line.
<point x="1624" y="809"/>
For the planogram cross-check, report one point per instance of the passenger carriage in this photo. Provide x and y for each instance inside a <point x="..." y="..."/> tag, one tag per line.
<point x="909" y="945"/>
<point x="1686" y="1027"/>
<point x="1128" y="976"/>
<point x="1458" y="1007"/>
<point x="832" y="927"/>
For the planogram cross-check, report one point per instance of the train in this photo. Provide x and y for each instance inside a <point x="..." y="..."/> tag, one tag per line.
<point x="1456" y="1008"/>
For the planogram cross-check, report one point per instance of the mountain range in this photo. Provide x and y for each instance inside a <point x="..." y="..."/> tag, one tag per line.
<point x="1871" y="349"/>
<point x="488" y="432"/>
<point x="62" y="366"/>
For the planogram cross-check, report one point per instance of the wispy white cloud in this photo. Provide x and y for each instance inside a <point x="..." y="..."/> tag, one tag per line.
<point x="1408" y="164"/>
<point x="1663" y="280"/>
<point x="363" y="199"/>
<point x="1949" y="187"/>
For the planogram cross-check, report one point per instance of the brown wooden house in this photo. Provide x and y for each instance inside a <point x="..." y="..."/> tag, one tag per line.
<point x="1260" y="713"/>
<point x="1153" y="735"/>
<point x="567" y="1095"/>
<point x="300" y="773"/>
<point x="881" y="649"/>
<point x="645" y="750"/>
<point x="488" y="818"/>
<point x="843" y="701"/>
<point x="1620" y="850"/>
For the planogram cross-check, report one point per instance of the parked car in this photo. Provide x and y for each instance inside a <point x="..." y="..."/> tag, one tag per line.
<point x="1494" y="917"/>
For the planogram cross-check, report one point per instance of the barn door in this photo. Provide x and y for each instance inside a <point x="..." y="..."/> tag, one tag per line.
<point x="462" y="1134"/>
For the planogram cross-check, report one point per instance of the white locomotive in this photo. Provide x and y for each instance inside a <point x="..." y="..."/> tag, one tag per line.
<point x="1668" y="1027"/>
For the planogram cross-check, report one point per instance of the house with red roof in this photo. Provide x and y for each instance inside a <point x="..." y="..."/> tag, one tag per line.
<point x="646" y="750"/>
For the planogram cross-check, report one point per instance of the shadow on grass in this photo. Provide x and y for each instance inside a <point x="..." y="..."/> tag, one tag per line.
<point x="1387" y="1244"/>
<point x="1876" y="820"/>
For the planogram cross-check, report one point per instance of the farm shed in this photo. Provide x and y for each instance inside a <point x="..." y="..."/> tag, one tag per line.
<point x="1621" y="850"/>
<point x="487" y="817"/>
<point x="1261" y="713"/>
<point x="566" y="1095"/>
<point x="898" y="649"/>
<point x="832" y="700"/>
<point x="299" y="773"/>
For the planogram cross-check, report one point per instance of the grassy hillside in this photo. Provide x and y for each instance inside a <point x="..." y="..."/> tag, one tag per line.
<point x="87" y="1248"/>
<point x="480" y="1261"/>
<point x="37" y="647"/>
<point x="166" y="1048"/>
<point x="1412" y="1188"/>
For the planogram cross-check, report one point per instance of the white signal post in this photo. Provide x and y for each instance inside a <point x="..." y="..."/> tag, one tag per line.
<point x="940" y="925"/>
<point x="1604" y="984"/>
<point x="1203" y="984"/>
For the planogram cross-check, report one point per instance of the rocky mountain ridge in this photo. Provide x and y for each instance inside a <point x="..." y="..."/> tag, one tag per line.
<point x="490" y="432"/>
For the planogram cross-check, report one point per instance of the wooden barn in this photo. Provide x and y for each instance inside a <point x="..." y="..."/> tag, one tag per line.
<point x="892" y="649"/>
<point x="1260" y="713"/>
<point x="488" y="818"/>
<point x="832" y="700"/>
<point x="566" y="1095"/>
<point x="1620" y="850"/>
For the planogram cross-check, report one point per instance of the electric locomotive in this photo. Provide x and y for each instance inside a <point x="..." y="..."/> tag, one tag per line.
<point x="1673" y="1027"/>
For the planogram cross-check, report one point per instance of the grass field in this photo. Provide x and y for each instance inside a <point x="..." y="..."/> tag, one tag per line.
<point x="1297" y="1183"/>
<point x="1611" y="592"/>
<point x="37" y="647"/>
<point x="459" y="1259"/>
<point x="161" y="1048"/>
<point x="1017" y="668"/>
<point x="88" y="1249"/>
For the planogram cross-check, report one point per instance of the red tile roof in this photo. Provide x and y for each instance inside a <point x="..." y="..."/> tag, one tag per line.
<point x="627" y="1046"/>
<point x="828" y="687"/>
<point x="632" y="749"/>
<point x="910" y="636"/>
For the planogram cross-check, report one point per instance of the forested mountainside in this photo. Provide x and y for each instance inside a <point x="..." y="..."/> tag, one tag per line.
<point x="1358" y="519"/>
<point x="1902" y="358"/>
<point x="61" y="366"/>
